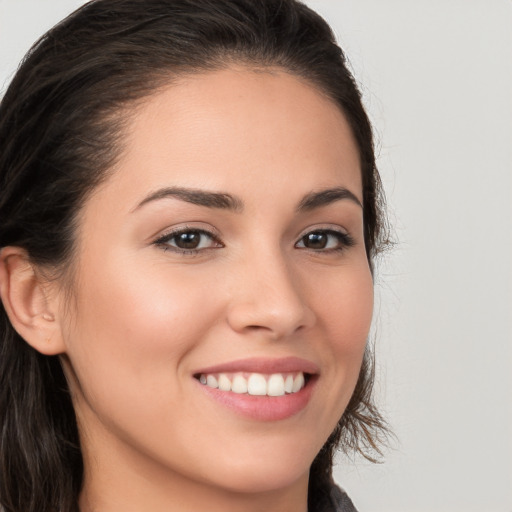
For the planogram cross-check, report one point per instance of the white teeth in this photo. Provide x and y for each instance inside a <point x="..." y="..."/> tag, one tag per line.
<point x="256" y="384"/>
<point x="211" y="381"/>
<point x="275" y="385"/>
<point x="224" y="383"/>
<point x="239" y="385"/>
<point x="288" y="384"/>
<point x="298" y="383"/>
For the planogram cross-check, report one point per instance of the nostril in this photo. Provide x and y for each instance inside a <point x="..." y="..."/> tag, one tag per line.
<point x="279" y="314"/>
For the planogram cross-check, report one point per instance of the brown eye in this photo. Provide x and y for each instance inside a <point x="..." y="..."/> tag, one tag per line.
<point x="317" y="240"/>
<point x="188" y="240"/>
<point x="325" y="240"/>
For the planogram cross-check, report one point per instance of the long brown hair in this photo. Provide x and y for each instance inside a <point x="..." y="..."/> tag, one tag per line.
<point x="61" y="128"/>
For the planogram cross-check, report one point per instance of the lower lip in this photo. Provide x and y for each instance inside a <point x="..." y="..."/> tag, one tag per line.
<point x="263" y="408"/>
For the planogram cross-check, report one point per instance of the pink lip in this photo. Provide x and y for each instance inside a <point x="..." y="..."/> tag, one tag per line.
<point x="263" y="408"/>
<point x="263" y="365"/>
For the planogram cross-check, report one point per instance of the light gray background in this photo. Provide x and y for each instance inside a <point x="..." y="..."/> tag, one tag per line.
<point x="437" y="81"/>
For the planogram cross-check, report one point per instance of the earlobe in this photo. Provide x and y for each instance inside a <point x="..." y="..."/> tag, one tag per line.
<point x="26" y="299"/>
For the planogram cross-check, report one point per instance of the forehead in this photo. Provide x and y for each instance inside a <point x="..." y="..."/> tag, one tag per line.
<point x="224" y="129"/>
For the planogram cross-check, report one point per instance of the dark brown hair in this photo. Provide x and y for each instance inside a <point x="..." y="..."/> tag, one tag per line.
<point x="61" y="130"/>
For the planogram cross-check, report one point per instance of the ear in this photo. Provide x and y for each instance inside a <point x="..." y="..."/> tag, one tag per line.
<point x="29" y="302"/>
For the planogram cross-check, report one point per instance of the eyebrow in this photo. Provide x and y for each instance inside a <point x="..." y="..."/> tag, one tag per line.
<point x="225" y="201"/>
<point x="326" y="197"/>
<point x="196" y="196"/>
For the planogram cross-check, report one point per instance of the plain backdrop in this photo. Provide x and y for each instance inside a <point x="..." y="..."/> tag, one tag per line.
<point x="436" y="78"/>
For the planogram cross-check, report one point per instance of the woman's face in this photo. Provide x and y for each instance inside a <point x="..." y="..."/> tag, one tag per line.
<point x="226" y="249"/>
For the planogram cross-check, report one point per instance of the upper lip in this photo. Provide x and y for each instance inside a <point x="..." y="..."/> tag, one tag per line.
<point x="263" y="365"/>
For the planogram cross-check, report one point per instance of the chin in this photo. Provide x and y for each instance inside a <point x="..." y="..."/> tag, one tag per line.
<point x="264" y="481"/>
<point x="264" y="472"/>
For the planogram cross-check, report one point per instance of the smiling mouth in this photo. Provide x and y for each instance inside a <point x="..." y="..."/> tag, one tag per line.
<point x="255" y="384"/>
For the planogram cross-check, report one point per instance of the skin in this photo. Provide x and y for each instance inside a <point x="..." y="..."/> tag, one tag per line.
<point x="145" y="316"/>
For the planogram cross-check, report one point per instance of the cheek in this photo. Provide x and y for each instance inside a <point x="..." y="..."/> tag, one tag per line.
<point x="134" y="324"/>
<point x="346" y="308"/>
<point x="345" y="315"/>
<point x="128" y="347"/>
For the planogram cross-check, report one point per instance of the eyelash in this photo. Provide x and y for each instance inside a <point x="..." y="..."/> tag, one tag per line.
<point x="164" y="240"/>
<point x="344" y="240"/>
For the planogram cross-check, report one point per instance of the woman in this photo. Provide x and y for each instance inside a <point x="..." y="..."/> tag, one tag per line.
<point x="189" y="212"/>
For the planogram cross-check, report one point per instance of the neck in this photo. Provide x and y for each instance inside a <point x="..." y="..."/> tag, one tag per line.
<point x="132" y="491"/>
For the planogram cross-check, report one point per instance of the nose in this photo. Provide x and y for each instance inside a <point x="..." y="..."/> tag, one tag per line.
<point x="267" y="298"/>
